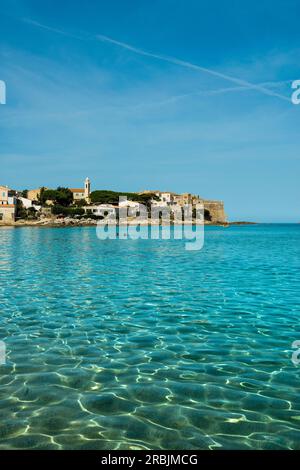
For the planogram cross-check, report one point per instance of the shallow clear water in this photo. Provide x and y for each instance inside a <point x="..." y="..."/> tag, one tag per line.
<point x="143" y="345"/>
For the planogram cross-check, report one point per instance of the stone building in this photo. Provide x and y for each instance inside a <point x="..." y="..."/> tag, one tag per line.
<point x="213" y="210"/>
<point x="82" y="193"/>
<point x="34" y="194"/>
<point x="8" y="205"/>
<point x="182" y="199"/>
<point x="78" y="194"/>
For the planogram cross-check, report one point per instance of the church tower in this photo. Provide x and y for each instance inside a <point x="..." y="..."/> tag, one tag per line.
<point x="87" y="189"/>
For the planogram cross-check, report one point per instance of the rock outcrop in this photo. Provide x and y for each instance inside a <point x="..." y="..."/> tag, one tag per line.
<point x="214" y="212"/>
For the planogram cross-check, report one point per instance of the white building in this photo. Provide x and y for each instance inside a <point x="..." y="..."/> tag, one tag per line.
<point x="27" y="203"/>
<point x="104" y="210"/>
<point x="133" y="208"/>
<point x="165" y="198"/>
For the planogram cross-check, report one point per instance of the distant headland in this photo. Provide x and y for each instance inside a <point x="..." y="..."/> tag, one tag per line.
<point x="81" y="206"/>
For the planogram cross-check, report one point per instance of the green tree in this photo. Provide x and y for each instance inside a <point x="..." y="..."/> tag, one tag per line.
<point x="80" y="203"/>
<point x="21" y="212"/>
<point x="112" y="197"/>
<point x="67" y="211"/>
<point x="64" y="196"/>
<point x="47" y="195"/>
<point x="60" y="196"/>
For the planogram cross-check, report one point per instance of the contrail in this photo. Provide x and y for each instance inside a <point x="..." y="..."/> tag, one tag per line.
<point x="189" y="65"/>
<point x="172" y="60"/>
<point x="219" y="91"/>
<point x="53" y="30"/>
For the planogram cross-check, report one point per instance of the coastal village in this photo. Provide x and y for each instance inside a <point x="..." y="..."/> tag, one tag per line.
<point x="81" y="206"/>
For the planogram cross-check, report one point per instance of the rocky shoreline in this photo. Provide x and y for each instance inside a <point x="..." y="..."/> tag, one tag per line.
<point x="71" y="222"/>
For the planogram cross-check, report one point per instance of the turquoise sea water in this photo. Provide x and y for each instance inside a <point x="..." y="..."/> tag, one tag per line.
<point x="140" y="344"/>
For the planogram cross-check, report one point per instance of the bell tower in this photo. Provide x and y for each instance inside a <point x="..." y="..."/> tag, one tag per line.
<point x="87" y="189"/>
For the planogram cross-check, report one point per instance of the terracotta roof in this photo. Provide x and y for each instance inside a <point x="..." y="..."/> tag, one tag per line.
<point x="77" y="190"/>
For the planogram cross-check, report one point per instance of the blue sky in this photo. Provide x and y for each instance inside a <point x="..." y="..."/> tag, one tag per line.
<point x="189" y="96"/>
